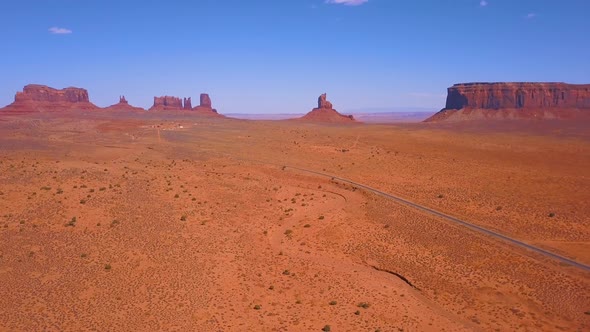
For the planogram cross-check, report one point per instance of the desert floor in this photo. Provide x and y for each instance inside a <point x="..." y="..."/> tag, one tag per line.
<point x="180" y="223"/>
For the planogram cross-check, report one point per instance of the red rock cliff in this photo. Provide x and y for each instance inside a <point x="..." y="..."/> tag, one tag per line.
<point x="205" y="100"/>
<point x="35" y="97"/>
<point x="187" y="103"/>
<point x="166" y="103"/>
<point x="520" y="99"/>
<point x="205" y="106"/>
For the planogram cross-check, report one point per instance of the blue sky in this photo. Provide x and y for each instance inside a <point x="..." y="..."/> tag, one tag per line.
<point x="277" y="56"/>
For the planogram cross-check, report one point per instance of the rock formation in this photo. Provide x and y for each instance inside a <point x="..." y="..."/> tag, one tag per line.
<point x="41" y="98"/>
<point x="166" y="103"/>
<point x="188" y="103"/>
<point x="205" y="107"/>
<point x="514" y="100"/>
<point x="326" y="113"/>
<point x="122" y="106"/>
<point x="205" y="101"/>
<point x="323" y="103"/>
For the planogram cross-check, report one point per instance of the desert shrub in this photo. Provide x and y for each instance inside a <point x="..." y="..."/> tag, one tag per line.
<point x="363" y="305"/>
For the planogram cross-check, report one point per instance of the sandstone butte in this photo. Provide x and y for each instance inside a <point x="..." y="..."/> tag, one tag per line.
<point x="524" y="100"/>
<point x="166" y="103"/>
<point x="325" y="112"/>
<point x="123" y="105"/>
<point x="41" y="98"/>
<point x="205" y="106"/>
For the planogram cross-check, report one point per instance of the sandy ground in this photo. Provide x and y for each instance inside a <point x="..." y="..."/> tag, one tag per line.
<point x="192" y="224"/>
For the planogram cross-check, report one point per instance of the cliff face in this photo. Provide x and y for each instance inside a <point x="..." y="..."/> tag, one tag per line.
<point x="518" y="95"/>
<point x="166" y="103"/>
<point x="42" y="93"/>
<point x="35" y="97"/>
<point x="205" y="106"/>
<point x="521" y="99"/>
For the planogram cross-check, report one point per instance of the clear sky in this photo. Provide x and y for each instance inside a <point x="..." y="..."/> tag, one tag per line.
<point x="277" y="56"/>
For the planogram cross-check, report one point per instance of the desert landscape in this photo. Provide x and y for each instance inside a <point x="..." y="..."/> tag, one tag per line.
<point x="295" y="166"/>
<point x="123" y="219"/>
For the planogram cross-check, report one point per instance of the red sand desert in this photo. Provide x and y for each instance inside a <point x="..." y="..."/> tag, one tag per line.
<point x="182" y="221"/>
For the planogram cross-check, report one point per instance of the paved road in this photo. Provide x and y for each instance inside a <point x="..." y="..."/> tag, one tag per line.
<point x="471" y="226"/>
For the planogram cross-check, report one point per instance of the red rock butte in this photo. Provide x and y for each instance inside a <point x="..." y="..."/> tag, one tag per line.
<point x="326" y="113"/>
<point x="123" y="105"/>
<point x="468" y="101"/>
<point x="167" y="103"/>
<point x="205" y="106"/>
<point x="40" y="98"/>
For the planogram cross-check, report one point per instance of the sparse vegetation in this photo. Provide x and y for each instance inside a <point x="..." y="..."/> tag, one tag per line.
<point x="333" y="303"/>
<point x="72" y="222"/>
<point x="364" y="305"/>
<point x="327" y="328"/>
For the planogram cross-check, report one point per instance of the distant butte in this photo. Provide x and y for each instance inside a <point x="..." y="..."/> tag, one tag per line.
<point x="525" y="100"/>
<point x="41" y="98"/>
<point x="166" y="103"/>
<point x="187" y="104"/>
<point x="123" y="105"/>
<point x="326" y="113"/>
<point x="205" y="106"/>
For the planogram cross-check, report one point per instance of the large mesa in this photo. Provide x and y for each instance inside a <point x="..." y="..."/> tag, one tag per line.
<point x="40" y="98"/>
<point x="325" y="112"/>
<point x="467" y="101"/>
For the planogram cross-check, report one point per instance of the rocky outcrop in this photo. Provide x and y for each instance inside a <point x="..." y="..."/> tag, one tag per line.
<point x="205" y="100"/>
<point x="187" y="104"/>
<point x="205" y="106"/>
<point x="324" y="103"/>
<point x="326" y="113"/>
<point x="35" y="97"/>
<point x="123" y="106"/>
<point x="166" y="103"/>
<point x="514" y="100"/>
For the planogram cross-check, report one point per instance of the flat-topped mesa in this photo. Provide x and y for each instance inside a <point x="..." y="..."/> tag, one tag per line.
<point x="187" y="104"/>
<point x="514" y="100"/>
<point x="205" y="106"/>
<point x="35" y="97"/>
<point x="326" y="113"/>
<point x="166" y="103"/>
<point x="42" y="93"/>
